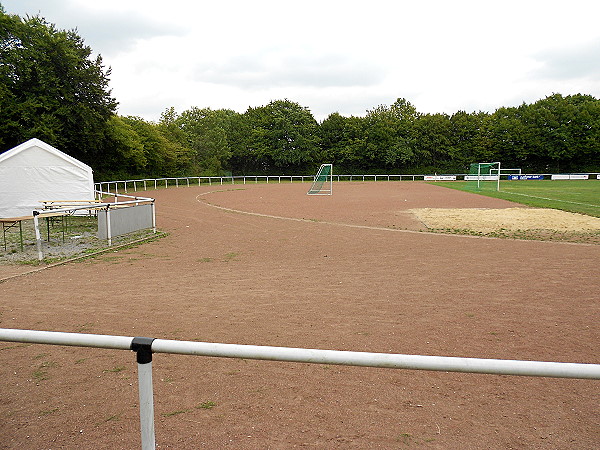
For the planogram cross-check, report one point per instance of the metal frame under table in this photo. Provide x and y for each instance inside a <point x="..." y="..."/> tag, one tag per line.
<point x="10" y="222"/>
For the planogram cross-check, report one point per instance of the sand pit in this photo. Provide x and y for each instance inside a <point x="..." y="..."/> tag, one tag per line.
<point x="513" y="219"/>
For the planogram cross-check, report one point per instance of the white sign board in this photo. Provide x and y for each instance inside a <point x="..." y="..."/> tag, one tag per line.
<point x="482" y="177"/>
<point x="440" y="178"/>
<point x="570" y="177"/>
<point x="124" y="220"/>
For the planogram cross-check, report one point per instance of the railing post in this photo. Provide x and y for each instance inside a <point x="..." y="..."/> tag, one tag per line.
<point x="38" y="236"/>
<point x="143" y="348"/>
<point x="108" y="229"/>
<point x="153" y="207"/>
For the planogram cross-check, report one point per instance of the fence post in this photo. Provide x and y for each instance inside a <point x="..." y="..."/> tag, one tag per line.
<point x="153" y="216"/>
<point x="143" y="348"/>
<point x="108" y="230"/>
<point x="38" y="236"/>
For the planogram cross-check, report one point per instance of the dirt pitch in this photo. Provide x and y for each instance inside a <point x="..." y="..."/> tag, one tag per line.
<point x="346" y="272"/>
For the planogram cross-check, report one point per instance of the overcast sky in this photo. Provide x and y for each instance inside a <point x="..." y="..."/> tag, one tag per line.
<point x="331" y="56"/>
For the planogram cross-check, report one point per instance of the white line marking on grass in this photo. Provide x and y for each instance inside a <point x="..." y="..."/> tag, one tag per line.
<point x="552" y="199"/>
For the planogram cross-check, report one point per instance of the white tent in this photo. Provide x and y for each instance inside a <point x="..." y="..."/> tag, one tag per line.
<point x="35" y="171"/>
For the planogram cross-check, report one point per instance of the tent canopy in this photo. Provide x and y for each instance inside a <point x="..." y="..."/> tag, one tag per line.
<point x="36" y="171"/>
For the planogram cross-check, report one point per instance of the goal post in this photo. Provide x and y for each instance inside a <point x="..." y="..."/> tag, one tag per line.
<point x="484" y="176"/>
<point x="323" y="181"/>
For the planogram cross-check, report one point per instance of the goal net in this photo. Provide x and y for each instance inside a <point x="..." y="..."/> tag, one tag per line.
<point x="484" y="176"/>
<point x="323" y="181"/>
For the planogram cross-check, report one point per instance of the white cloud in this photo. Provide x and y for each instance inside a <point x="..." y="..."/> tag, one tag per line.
<point x="335" y="56"/>
<point x="568" y="63"/>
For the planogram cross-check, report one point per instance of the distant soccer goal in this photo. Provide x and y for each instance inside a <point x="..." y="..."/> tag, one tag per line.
<point x="484" y="176"/>
<point x="323" y="182"/>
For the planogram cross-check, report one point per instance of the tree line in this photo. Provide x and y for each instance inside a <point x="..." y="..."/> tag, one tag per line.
<point x="52" y="88"/>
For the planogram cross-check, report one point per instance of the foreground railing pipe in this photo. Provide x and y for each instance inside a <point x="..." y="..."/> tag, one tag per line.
<point x="145" y="347"/>
<point x="316" y="356"/>
<point x="384" y="360"/>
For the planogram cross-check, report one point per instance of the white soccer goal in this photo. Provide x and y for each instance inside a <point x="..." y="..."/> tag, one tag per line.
<point x="323" y="182"/>
<point x="482" y="174"/>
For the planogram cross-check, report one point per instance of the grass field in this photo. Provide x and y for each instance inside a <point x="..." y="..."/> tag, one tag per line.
<point x="578" y="196"/>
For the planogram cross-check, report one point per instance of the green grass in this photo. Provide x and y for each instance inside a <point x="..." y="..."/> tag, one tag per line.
<point x="206" y="405"/>
<point x="47" y="412"/>
<point x="175" y="413"/>
<point x="116" y="369"/>
<point x="230" y="256"/>
<point x="578" y="196"/>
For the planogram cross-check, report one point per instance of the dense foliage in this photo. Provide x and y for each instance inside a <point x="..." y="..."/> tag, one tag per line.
<point x="51" y="88"/>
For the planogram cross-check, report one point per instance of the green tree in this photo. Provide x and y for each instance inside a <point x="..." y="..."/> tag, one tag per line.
<point x="52" y="88"/>
<point x="127" y="156"/>
<point x="185" y="161"/>
<point x="213" y="136"/>
<point x="466" y="134"/>
<point x="564" y="131"/>
<point x="283" y="137"/>
<point x="389" y="136"/>
<point x="159" y="153"/>
<point x="432" y="143"/>
<point x="586" y="131"/>
<point x="342" y="141"/>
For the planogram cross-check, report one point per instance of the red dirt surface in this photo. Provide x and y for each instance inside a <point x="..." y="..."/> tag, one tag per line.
<point x="232" y="277"/>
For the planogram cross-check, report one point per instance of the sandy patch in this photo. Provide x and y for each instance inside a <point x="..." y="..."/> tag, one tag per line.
<point x="485" y="220"/>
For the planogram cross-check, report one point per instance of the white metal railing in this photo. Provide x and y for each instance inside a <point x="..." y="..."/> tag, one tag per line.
<point x="144" y="184"/>
<point x="40" y="213"/>
<point x="145" y="347"/>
